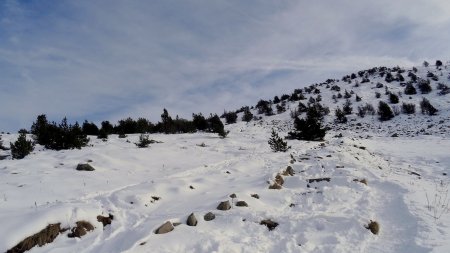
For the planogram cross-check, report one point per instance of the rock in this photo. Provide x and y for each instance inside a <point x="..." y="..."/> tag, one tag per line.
<point x="105" y="220"/>
<point x="241" y="203"/>
<point x="374" y="227"/>
<point x="256" y="196"/>
<point x="271" y="225"/>
<point x="81" y="229"/>
<point x="209" y="216"/>
<point x="275" y="186"/>
<point x="279" y="180"/>
<point x="312" y="180"/>
<point x="394" y="135"/>
<point x="289" y="171"/>
<point x="164" y="228"/>
<point x="233" y="196"/>
<point x="191" y="220"/>
<point x="224" y="205"/>
<point x="46" y="235"/>
<point x="84" y="167"/>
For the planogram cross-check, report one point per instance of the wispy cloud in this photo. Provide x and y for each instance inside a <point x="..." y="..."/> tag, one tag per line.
<point x="111" y="59"/>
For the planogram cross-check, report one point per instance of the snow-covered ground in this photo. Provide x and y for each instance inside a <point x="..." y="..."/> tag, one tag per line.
<point x="406" y="190"/>
<point x="45" y="188"/>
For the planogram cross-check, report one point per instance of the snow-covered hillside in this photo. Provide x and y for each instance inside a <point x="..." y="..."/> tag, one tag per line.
<point x="358" y="174"/>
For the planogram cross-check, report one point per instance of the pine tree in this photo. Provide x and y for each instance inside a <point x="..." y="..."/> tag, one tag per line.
<point x="144" y="141"/>
<point x="21" y="147"/>
<point x="277" y="144"/>
<point x="216" y="126"/>
<point x="427" y="108"/>
<point x="310" y="128"/>
<point x="384" y="111"/>
<point x="247" y="116"/>
<point x="340" y="116"/>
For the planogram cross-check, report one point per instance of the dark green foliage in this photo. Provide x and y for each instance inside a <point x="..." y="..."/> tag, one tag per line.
<point x="184" y="126"/>
<point x="41" y="130"/>
<point x="200" y="122"/>
<point x="277" y="144"/>
<point x="444" y="89"/>
<point x="347" y="94"/>
<point x="366" y="109"/>
<point x="276" y="100"/>
<point x="426" y="64"/>
<point x="384" y="111"/>
<point x="247" y="116"/>
<point x="126" y="126"/>
<point x="284" y="97"/>
<point x="264" y="107"/>
<point x="427" y="108"/>
<point x="143" y="126"/>
<point x="21" y="147"/>
<point x="102" y="134"/>
<point x="347" y="108"/>
<point x="89" y="128"/>
<point x="409" y="89"/>
<point x="24" y="131"/>
<point x="230" y="117"/>
<point x="377" y="94"/>
<point x="166" y="125"/>
<point x="438" y="63"/>
<point x="424" y="86"/>
<point x="144" y="141"/>
<point x="393" y="98"/>
<point x="309" y="128"/>
<point x="58" y="137"/>
<point x="389" y="78"/>
<point x="340" y="116"/>
<point x="358" y="98"/>
<point x="216" y="126"/>
<point x="107" y="127"/>
<point x="281" y="108"/>
<point x="408" y="108"/>
<point x="302" y="107"/>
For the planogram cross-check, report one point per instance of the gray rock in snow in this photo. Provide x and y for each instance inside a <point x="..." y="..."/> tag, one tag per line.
<point x="164" y="228"/>
<point x="191" y="220"/>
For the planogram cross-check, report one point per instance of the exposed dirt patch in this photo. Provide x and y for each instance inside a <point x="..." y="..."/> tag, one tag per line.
<point x="46" y="235"/>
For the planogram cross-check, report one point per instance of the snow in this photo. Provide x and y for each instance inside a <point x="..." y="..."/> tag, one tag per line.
<point x="407" y="188"/>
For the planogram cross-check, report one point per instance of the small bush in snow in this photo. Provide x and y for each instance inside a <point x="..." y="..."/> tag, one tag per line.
<point x="340" y="116"/>
<point x="408" y="108"/>
<point x="21" y="147"/>
<point x="384" y="111"/>
<point x="247" y="116"/>
<point x="144" y="141"/>
<point x="427" y="108"/>
<point x="410" y="90"/>
<point x="393" y="98"/>
<point x="277" y="144"/>
<point x="347" y="108"/>
<point x="424" y="86"/>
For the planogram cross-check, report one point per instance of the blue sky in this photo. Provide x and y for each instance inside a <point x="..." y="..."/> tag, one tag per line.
<point x="106" y="60"/>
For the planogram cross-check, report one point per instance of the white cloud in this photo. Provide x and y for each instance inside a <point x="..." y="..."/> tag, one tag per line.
<point x="111" y="59"/>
